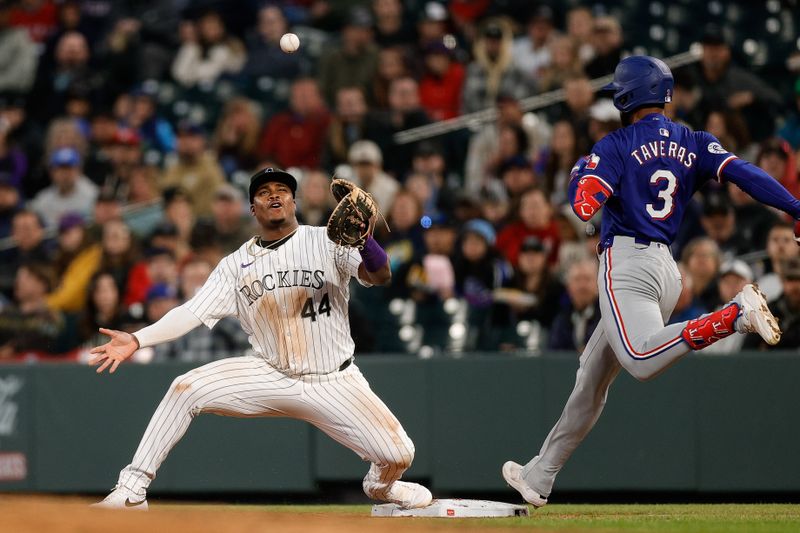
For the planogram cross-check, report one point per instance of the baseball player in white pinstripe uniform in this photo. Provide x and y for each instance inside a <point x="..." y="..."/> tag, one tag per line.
<point x="289" y="289"/>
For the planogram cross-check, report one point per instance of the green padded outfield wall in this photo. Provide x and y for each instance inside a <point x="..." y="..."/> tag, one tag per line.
<point x="709" y="424"/>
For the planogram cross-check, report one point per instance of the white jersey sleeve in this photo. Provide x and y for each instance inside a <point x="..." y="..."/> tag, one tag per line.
<point x="216" y="299"/>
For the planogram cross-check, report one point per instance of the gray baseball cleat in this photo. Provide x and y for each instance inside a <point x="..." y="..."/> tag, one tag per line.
<point x="755" y="316"/>
<point x="409" y="495"/>
<point x="512" y="473"/>
<point x="123" y="499"/>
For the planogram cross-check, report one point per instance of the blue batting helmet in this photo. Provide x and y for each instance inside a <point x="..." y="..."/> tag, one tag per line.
<point x="641" y="80"/>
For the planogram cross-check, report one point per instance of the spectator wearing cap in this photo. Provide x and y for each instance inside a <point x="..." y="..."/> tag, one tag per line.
<point x="236" y="137"/>
<point x="538" y="289"/>
<point x="786" y="308"/>
<point x="607" y="42"/>
<point x="405" y="111"/>
<point x="347" y="126"/>
<point x="485" y="145"/>
<point x="77" y="259"/>
<point x="125" y="153"/>
<point x="18" y="55"/>
<point x="391" y="24"/>
<point x="30" y="245"/>
<point x="576" y="321"/>
<point x="207" y="51"/>
<point x="790" y="130"/>
<point x="777" y="159"/>
<point x="534" y="217"/>
<point x="71" y="240"/>
<point x="315" y="202"/>
<point x="441" y="84"/>
<point x="531" y="51"/>
<point x="780" y="247"/>
<point x="265" y="57"/>
<point x="428" y="277"/>
<point x="366" y="161"/>
<point x="432" y="24"/>
<point x="155" y="131"/>
<point x="719" y="223"/>
<point x="295" y="138"/>
<point x="603" y="119"/>
<point x="228" y="213"/>
<point x="70" y="191"/>
<point x="158" y="267"/>
<point x="355" y="61"/>
<point x="29" y="325"/>
<point x="479" y="270"/>
<point x="720" y="80"/>
<point x="516" y="175"/>
<point x="492" y="71"/>
<point x="160" y="299"/>
<point x="733" y="276"/>
<point x="194" y="168"/>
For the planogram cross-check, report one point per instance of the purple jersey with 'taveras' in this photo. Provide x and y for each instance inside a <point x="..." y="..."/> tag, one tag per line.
<point x="652" y="168"/>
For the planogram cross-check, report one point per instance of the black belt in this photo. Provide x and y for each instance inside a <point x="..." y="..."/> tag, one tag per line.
<point x="603" y="245"/>
<point x="346" y="364"/>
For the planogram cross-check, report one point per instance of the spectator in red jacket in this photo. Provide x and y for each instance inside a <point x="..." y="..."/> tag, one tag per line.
<point x="440" y="86"/>
<point x="295" y="138"/>
<point x="534" y="217"/>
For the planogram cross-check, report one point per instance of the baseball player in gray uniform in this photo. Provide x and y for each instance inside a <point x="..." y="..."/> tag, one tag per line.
<point x="289" y="288"/>
<point x="643" y="176"/>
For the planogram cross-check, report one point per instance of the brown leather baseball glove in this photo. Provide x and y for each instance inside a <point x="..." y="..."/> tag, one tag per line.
<point x="353" y="219"/>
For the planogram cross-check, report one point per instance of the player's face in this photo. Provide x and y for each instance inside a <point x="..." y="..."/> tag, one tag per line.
<point x="273" y="205"/>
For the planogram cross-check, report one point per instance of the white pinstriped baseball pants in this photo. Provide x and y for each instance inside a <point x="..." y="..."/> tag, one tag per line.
<point x="341" y="404"/>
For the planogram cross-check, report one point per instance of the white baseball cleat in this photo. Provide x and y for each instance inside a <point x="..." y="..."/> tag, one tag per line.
<point x="123" y="499"/>
<point x="512" y="473"/>
<point x="409" y="495"/>
<point x="755" y="316"/>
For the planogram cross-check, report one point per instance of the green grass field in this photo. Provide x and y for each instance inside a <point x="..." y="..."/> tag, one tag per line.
<point x="674" y="518"/>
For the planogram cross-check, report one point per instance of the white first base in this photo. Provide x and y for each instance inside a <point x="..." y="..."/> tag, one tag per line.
<point x="454" y="509"/>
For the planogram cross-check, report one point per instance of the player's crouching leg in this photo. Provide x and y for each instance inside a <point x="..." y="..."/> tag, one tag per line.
<point x="382" y="479"/>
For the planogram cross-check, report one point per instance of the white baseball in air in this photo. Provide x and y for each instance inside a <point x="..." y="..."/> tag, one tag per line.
<point x="290" y="43"/>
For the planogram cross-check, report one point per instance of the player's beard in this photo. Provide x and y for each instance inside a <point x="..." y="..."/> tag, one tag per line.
<point x="626" y="119"/>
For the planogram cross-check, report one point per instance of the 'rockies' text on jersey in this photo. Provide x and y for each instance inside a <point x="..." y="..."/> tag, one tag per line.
<point x="291" y="301"/>
<point x="652" y="168"/>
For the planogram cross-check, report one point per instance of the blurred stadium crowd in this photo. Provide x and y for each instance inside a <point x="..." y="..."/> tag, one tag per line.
<point x="129" y="130"/>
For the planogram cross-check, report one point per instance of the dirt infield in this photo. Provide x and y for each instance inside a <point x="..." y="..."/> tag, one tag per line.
<point x="22" y="514"/>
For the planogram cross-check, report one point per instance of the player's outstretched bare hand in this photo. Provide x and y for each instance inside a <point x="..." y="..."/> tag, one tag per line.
<point x="120" y="347"/>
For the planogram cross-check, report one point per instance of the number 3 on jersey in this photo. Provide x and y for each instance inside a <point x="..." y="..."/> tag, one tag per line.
<point x="324" y="308"/>
<point x="667" y="194"/>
